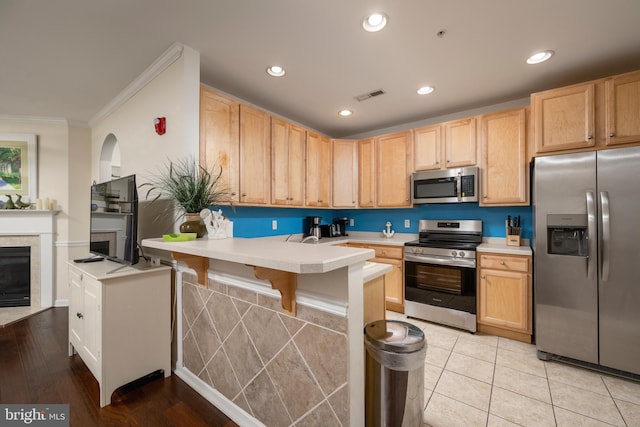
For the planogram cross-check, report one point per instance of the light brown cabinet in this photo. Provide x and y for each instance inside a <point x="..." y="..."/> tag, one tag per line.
<point x="373" y="300"/>
<point x="460" y="143"/>
<point x="426" y="148"/>
<point x="345" y="178"/>
<point x="623" y="109"/>
<point x="394" y="280"/>
<point x="287" y="163"/>
<point x="393" y="169"/>
<point x="219" y="138"/>
<point x="504" y="170"/>
<point x="445" y="145"/>
<point x="592" y="115"/>
<point x="319" y="167"/>
<point x="255" y="156"/>
<point x="564" y="118"/>
<point x="366" y="173"/>
<point x="505" y="296"/>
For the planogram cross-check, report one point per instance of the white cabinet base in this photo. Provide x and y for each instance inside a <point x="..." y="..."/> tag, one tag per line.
<point x="120" y="323"/>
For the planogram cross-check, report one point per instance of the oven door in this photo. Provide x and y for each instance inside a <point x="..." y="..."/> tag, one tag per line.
<point x="438" y="282"/>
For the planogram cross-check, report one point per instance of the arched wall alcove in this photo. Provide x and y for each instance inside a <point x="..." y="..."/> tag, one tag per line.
<point x="109" y="159"/>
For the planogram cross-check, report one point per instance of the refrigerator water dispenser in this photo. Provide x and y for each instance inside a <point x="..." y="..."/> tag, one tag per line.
<point x="567" y="235"/>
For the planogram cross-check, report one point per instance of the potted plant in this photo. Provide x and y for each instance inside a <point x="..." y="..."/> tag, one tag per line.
<point x="191" y="186"/>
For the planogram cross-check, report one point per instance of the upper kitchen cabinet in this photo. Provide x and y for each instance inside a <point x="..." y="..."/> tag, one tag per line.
<point x="460" y="143"/>
<point x="393" y="169"/>
<point x="426" y="148"/>
<point x="219" y="137"/>
<point x="623" y="109"/>
<point x="367" y="173"/>
<point x="504" y="173"/>
<point x="255" y="156"/>
<point x="564" y="118"/>
<point x="287" y="163"/>
<point x="345" y="178"/>
<point x="318" y="190"/>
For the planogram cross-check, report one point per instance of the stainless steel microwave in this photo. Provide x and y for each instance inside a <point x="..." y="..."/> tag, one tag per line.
<point x="445" y="186"/>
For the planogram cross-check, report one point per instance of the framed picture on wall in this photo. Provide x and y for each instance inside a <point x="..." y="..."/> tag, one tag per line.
<point x="19" y="166"/>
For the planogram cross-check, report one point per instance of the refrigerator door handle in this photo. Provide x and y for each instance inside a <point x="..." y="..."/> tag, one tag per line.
<point x="605" y="242"/>
<point x="591" y="233"/>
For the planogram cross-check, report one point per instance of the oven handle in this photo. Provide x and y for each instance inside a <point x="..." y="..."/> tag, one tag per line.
<point x="453" y="262"/>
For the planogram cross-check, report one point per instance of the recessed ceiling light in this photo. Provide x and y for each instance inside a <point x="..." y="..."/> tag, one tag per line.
<point x="345" y="113"/>
<point x="275" y="71"/>
<point x="425" y="90"/>
<point x="539" y="57"/>
<point x="374" y="22"/>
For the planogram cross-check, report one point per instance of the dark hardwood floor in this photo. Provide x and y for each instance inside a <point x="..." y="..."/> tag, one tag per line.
<point x="35" y="368"/>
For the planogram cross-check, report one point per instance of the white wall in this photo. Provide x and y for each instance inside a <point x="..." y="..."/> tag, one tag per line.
<point x="174" y="94"/>
<point x="68" y="155"/>
<point x="63" y="151"/>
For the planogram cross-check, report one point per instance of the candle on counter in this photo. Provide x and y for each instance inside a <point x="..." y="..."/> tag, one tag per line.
<point x="46" y="204"/>
<point x="39" y="204"/>
<point x="52" y="204"/>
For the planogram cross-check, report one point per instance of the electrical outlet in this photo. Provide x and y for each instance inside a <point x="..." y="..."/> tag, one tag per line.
<point x="155" y="261"/>
<point x="274" y="224"/>
<point x="351" y="222"/>
<point x="407" y="223"/>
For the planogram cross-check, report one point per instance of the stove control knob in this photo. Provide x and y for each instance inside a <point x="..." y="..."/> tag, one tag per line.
<point x="454" y="253"/>
<point x="461" y="254"/>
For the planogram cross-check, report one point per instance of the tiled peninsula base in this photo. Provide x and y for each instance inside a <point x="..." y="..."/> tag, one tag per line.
<point x="281" y="370"/>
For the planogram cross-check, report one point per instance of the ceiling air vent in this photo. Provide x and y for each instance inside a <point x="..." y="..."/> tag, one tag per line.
<point x="371" y="94"/>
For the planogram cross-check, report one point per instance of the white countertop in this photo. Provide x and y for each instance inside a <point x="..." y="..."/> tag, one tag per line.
<point x="373" y="270"/>
<point x="372" y="238"/>
<point x="276" y="253"/>
<point x="106" y="269"/>
<point x="499" y="245"/>
<point x="270" y="253"/>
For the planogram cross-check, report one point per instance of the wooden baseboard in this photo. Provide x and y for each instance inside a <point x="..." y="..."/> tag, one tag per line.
<point x="506" y="333"/>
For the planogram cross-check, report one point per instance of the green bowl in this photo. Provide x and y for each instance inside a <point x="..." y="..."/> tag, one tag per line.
<point x="179" y="237"/>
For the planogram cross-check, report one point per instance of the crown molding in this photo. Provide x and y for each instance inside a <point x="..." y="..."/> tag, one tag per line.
<point x="157" y="67"/>
<point x="39" y="119"/>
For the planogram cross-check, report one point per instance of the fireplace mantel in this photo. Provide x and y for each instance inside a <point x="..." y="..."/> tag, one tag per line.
<point x="30" y="222"/>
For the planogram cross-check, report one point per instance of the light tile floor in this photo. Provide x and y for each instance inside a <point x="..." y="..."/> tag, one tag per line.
<point x="483" y="380"/>
<point x="9" y="315"/>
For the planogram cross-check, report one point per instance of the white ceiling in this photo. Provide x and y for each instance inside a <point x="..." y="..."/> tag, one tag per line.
<point x="69" y="58"/>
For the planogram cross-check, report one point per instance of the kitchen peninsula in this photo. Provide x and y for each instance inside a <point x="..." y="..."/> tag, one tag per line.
<point x="265" y="356"/>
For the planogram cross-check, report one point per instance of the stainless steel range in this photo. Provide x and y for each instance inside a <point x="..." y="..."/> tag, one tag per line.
<point x="440" y="272"/>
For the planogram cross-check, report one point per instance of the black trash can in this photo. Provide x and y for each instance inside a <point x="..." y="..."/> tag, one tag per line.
<point x="394" y="382"/>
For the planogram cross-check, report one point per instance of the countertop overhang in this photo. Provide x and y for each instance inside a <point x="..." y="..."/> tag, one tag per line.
<point x="301" y="258"/>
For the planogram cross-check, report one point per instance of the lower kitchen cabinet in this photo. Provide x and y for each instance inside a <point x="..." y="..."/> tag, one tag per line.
<point x="373" y="300"/>
<point x="393" y="280"/>
<point x="120" y="322"/>
<point x="505" y="296"/>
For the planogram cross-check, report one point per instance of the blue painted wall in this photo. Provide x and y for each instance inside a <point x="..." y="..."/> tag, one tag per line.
<point x="256" y="221"/>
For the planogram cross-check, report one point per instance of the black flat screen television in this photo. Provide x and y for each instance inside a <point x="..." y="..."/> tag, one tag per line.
<point x="114" y="220"/>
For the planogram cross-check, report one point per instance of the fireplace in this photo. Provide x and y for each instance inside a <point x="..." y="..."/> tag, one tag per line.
<point x="34" y="229"/>
<point x="15" y="276"/>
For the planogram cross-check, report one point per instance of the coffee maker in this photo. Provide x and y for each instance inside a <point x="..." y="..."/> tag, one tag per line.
<point x="312" y="226"/>
<point x="341" y="226"/>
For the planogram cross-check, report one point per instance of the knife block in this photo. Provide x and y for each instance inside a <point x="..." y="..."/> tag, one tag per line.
<point x="513" y="236"/>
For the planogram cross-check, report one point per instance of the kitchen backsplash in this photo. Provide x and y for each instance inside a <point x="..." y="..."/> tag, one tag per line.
<point x="258" y="222"/>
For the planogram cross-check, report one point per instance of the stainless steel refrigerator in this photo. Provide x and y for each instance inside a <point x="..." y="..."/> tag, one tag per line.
<point x="587" y="257"/>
